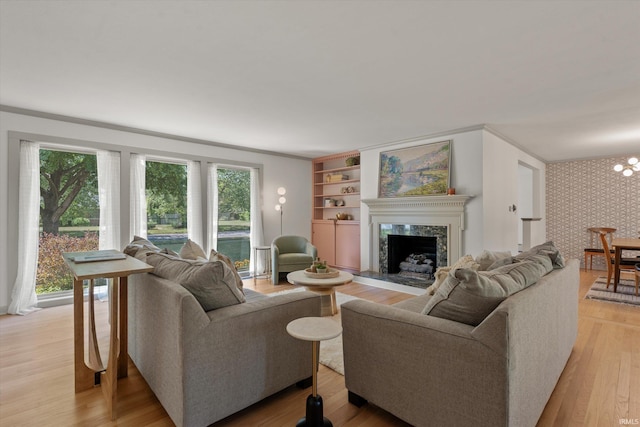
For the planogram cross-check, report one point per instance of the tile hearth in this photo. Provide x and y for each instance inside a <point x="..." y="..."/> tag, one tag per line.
<point x="400" y="279"/>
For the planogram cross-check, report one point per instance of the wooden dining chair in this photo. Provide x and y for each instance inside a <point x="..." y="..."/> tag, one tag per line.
<point x="596" y="249"/>
<point x="625" y="263"/>
<point x="637" y="277"/>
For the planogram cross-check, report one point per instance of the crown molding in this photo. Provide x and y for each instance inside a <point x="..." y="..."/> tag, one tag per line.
<point x="129" y="129"/>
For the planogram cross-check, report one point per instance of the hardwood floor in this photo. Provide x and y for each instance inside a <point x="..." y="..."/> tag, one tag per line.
<point x="599" y="387"/>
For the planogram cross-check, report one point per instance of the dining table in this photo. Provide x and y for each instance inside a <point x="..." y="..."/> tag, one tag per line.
<point x="620" y="244"/>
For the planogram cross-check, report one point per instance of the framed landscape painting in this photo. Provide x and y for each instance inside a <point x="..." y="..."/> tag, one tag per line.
<point x="415" y="171"/>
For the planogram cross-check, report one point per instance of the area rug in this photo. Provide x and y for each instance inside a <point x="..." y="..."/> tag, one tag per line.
<point x="624" y="295"/>
<point x="330" y="350"/>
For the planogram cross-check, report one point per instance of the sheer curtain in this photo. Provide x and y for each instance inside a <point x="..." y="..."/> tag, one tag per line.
<point x="212" y="207"/>
<point x="109" y="196"/>
<point x="194" y="202"/>
<point x="138" y="209"/>
<point x="256" y="236"/>
<point x="23" y="295"/>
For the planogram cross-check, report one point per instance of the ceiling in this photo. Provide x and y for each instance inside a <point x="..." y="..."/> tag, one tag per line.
<point x="560" y="79"/>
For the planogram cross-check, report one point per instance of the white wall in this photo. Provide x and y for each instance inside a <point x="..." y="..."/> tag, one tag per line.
<point x="292" y="173"/>
<point x="466" y="177"/>
<point x="500" y="189"/>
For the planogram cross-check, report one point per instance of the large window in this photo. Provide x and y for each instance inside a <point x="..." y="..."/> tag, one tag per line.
<point x="166" y="195"/>
<point x="69" y="215"/>
<point x="70" y="199"/>
<point x="234" y="215"/>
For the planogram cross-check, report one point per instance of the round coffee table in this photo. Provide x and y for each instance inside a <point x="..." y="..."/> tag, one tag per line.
<point x="322" y="287"/>
<point x="314" y="329"/>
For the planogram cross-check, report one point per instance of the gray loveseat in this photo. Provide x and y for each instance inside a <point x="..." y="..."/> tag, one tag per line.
<point x="432" y="371"/>
<point x="204" y="366"/>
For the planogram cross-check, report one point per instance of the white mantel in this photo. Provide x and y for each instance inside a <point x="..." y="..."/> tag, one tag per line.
<point x="428" y="210"/>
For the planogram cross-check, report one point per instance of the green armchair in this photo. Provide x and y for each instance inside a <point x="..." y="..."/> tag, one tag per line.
<point x="290" y="253"/>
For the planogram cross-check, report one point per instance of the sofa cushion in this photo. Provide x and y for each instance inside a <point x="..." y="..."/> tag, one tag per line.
<point x="192" y="250"/>
<point x="468" y="296"/>
<point x="218" y="256"/>
<point x="295" y="258"/>
<point x="548" y="249"/>
<point x="487" y="258"/>
<point x="466" y="261"/>
<point x="212" y="283"/>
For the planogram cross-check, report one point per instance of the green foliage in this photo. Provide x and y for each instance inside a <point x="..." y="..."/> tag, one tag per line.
<point x="53" y="274"/>
<point x="81" y="222"/>
<point x="68" y="184"/>
<point x="166" y="190"/>
<point x="151" y="225"/>
<point x="234" y="194"/>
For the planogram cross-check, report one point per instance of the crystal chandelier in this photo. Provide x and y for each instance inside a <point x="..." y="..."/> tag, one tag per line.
<point x="633" y="165"/>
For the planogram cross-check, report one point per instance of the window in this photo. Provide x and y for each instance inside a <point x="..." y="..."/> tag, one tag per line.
<point x="69" y="215"/>
<point x="166" y="198"/>
<point x="234" y="215"/>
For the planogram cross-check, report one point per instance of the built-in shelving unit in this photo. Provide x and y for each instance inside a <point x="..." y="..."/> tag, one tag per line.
<point x="336" y="209"/>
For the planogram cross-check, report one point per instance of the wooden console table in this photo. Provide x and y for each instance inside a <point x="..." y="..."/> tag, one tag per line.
<point x="117" y="365"/>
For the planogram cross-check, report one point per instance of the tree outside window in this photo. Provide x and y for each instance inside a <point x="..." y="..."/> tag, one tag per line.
<point x="69" y="215"/>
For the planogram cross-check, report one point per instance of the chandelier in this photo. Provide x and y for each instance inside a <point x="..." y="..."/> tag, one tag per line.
<point x="633" y="165"/>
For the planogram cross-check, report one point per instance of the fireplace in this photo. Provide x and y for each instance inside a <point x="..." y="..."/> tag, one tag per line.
<point x="441" y="217"/>
<point x="414" y="256"/>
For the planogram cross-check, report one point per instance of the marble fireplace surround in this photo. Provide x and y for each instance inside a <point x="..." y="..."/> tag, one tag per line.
<point x="428" y="210"/>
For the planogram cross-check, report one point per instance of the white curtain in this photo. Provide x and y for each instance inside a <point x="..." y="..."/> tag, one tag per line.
<point x="212" y="207"/>
<point x="256" y="236"/>
<point x="138" y="210"/>
<point x="109" y="197"/>
<point x="194" y="202"/>
<point x="23" y="295"/>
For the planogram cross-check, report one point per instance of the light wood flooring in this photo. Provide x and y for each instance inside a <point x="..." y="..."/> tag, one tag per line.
<point x="599" y="387"/>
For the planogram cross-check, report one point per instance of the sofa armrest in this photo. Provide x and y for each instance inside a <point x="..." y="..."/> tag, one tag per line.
<point x="311" y="250"/>
<point x="420" y="367"/>
<point x="245" y="354"/>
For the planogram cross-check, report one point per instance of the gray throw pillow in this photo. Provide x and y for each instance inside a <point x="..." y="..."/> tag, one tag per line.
<point x="469" y="296"/>
<point x="210" y="282"/>
<point x="192" y="250"/>
<point x="218" y="256"/>
<point x="548" y="249"/>
<point x="140" y="247"/>
<point x="486" y="258"/>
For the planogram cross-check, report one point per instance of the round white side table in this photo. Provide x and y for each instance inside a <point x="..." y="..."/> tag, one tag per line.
<point x="314" y="329"/>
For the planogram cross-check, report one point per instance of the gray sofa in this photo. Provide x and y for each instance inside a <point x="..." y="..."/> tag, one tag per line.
<point x="432" y="371"/>
<point x="204" y="366"/>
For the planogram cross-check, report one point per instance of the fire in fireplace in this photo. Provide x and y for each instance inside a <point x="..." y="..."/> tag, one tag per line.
<point x="414" y="256"/>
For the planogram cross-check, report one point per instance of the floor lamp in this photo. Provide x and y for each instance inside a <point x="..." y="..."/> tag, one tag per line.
<point x="280" y="206"/>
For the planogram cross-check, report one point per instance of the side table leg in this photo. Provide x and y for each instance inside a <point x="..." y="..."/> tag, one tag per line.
<point x="84" y="377"/>
<point x="314" y="411"/>
<point x="123" y="356"/>
<point x="109" y="378"/>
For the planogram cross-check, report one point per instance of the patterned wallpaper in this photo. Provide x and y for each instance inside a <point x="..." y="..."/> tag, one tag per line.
<point x="589" y="193"/>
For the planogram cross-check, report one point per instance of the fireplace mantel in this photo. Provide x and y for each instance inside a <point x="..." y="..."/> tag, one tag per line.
<point x="427" y="210"/>
<point x="411" y="204"/>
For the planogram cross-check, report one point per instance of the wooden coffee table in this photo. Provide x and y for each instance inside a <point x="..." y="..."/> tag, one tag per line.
<point x="322" y="287"/>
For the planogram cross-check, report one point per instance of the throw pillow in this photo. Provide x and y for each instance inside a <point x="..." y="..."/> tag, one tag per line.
<point x="548" y="249"/>
<point x="466" y="261"/>
<point x="468" y="296"/>
<point x="217" y="256"/>
<point x="140" y="247"/>
<point x="169" y="252"/>
<point x="501" y="262"/>
<point x="191" y="250"/>
<point x="486" y="258"/>
<point x="210" y="282"/>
